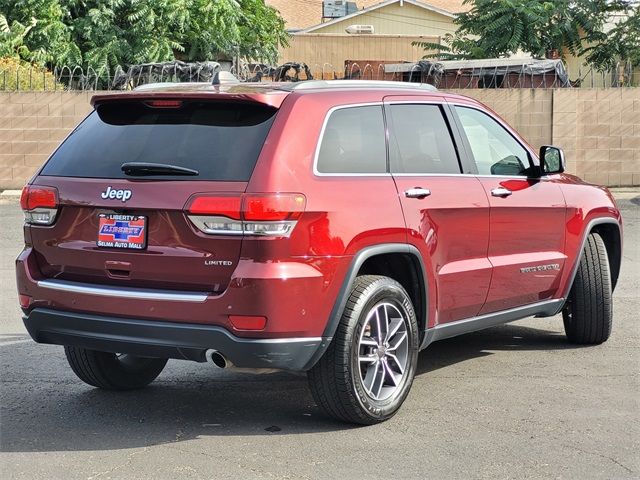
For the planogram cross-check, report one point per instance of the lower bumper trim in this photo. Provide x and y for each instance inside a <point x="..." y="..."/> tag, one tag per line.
<point x="168" y="339"/>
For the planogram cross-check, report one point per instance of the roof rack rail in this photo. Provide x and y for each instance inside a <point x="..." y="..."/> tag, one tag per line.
<point x="328" y="84"/>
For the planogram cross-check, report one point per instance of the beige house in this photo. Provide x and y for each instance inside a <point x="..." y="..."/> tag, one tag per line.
<point x="301" y="14"/>
<point x="381" y="31"/>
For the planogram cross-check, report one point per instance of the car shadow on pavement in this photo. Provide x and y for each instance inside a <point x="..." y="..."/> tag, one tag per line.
<point x="485" y="342"/>
<point x="43" y="407"/>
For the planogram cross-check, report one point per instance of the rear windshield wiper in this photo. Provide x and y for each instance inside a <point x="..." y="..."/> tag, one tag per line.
<point x="141" y="169"/>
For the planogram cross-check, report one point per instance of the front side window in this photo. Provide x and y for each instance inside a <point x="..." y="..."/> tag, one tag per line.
<point x="420" y="141"/>
<point x="494" y="150"/>
<point x="354" y="142"/>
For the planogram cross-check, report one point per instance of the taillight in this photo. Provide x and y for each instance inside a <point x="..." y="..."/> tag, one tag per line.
<point x="227" y="206"/>
<point x="267" y="214"/>
<point x="278" y="207"/>
<point x="39" y="204"/>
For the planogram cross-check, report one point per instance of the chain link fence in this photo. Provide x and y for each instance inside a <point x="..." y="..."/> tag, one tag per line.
<point x="33" y="78"/>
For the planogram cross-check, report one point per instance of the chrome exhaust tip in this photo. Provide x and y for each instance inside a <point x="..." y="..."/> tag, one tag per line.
<point x="218" y="359"/>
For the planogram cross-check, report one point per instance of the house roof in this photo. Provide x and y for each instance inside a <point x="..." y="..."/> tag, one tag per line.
<point x="302" y="14"/>
<point x="378" y="6"/>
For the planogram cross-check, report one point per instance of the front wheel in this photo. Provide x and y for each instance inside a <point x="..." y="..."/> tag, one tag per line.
<point x="113" y="371"/>
<point x="588" y="312"/>
<point x="367" y="371"/>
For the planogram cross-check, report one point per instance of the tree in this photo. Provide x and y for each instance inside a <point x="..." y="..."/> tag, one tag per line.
<point x="619" y="45"/>
<point x="49" y="39"/>
<point x="106" y="33"/>
<point x="543" y="28"/>
<point x="12" y="38"/>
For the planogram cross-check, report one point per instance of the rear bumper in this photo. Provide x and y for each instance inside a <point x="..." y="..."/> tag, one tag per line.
<point x="296" y="296"/>
<point x="168" y="339"/>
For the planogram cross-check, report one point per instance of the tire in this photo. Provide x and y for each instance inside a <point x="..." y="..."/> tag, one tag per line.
<point x="588" y="312"/>
<point x="112" y="371"/>
<point x="366" y="374"/>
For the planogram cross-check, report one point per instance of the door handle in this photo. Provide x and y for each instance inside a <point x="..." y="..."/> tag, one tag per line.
<point x="417" y="192"/>
<point x="501" y="192"/>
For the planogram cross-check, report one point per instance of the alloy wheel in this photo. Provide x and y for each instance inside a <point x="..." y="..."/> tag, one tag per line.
<point x="383" y="350"/>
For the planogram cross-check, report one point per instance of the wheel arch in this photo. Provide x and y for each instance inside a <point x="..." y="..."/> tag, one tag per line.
<point x="612" y="238"/>
<point x="610" y="230"/>
<point x="399" y="261"/>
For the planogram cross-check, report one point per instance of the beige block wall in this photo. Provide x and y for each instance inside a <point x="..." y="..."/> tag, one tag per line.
<point x="600" y="132"/>
<point x="32" y="124"/>
<point x="527" y="110"/>
<point x="598" y="128"/>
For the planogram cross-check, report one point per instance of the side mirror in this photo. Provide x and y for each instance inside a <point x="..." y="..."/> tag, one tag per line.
<point x="551" y="160"/>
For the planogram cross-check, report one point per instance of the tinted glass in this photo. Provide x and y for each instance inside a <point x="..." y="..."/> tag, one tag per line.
<point x="420" y="141"/>
<point x="354" y="142"/>
<point x="221" y="141"/>
<point x="494" y="150"/>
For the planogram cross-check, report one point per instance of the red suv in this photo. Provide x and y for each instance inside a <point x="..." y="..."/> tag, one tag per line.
<point x="335" y="228"/>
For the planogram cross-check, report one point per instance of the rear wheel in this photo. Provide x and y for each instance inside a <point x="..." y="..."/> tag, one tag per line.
<point x="589" y="310"/>
<point x="367" y="371"/>
<point x="113" y="371"/>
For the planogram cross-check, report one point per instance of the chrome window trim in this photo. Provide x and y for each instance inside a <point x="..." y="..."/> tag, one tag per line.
<point x="511" y="177"/>
<point x="440" y="102"/>
<point x="316" y="155"/>
<point x="122" y="292"/>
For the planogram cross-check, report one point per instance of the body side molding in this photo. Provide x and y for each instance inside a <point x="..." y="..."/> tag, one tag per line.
<point x="468" y="325"/>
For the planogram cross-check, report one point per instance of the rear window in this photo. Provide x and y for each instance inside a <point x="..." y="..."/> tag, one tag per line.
<point x="222" y="141"/>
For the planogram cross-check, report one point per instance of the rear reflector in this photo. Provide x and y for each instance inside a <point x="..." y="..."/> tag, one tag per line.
<point x="244" y="322"/>
<point x="265" y="214"/>
<point x="39" y="204"/>
<point x="25" y="301"/>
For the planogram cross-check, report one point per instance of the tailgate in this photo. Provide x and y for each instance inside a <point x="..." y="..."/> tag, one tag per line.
<point x="146" y="239"/>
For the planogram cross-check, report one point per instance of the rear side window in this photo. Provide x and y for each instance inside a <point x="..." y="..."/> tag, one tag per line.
<point x="420" y="140"/>
<point x="222" y="141"/>
<point x="354" y="142"/>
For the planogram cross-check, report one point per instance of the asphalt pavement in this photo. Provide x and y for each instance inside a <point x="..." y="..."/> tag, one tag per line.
<point x="514" y="401"/>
